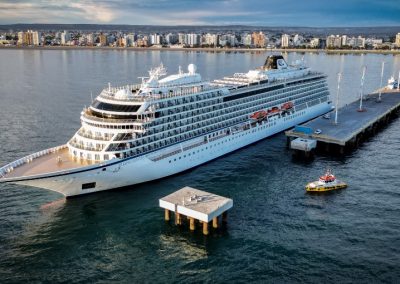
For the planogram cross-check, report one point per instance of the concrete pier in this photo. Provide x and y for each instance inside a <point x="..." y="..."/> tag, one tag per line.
<point x="196" y="205"/>
<point x="353" y="126"/>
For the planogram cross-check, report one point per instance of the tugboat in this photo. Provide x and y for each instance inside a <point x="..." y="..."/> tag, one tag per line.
<point x="327" y="182"/>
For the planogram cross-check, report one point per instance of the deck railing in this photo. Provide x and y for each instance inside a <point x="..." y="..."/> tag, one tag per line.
<point x="28" y="159"/>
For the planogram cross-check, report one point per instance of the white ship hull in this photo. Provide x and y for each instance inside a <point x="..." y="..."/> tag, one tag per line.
<point x="141" y="169"/>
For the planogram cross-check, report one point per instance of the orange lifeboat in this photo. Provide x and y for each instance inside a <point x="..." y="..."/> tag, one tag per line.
<point x="259" y="115"/>
<point x="287" y="106"/>
<point x="273" y="111"/>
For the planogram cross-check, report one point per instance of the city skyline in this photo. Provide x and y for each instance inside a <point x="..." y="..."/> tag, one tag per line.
<point x="308" y="13"/>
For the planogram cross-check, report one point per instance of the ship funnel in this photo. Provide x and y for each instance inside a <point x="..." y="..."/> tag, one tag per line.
<point x="275" y="62"/>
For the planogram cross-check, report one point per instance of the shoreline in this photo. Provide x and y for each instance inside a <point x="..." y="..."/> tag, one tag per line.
<point x="205" y="49"/>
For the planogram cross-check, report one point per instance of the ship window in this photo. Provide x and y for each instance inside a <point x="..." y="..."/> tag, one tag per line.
<point x="115" y="107"/>
<point x="88" y="185"/>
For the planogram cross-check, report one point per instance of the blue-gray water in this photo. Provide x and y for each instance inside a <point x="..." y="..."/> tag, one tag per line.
<point x="276" y="232"/>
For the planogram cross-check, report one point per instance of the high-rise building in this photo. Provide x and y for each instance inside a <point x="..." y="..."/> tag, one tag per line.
<point x="181" y="38"/>
<point x="65" y="37"/>
<point x="211" y="39"/>
<point x="314" y="43"/>
<point x="21" y="38"/>
<point x="155" y="39"/>
<point x="259" y="39"/>
<point x="102" y="39"/>
<point x="29" y="38"/>
<point x="333" y="41"/>
<point x="36" y="38"/>
<point x="345" y="40"/>
<point x="285" y="41"/>
<point x="129" y="40"/>
<point x="247" y="40"/>
<point x="171" y="38"/>
<point x="90" y="39"/>
<point x="360" y="42"/>
<point x="192" y="39"/>
<point x="298" y="40"/>
<point x="397" y="42"/>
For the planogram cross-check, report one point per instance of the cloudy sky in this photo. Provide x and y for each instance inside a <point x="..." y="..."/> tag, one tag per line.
<point x="313" y="13"/>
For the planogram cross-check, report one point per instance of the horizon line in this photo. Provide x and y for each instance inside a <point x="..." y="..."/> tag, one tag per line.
<point x="230" y="25"/>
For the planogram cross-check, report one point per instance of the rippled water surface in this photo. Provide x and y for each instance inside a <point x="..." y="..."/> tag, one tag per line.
<point x="276" y="232"/>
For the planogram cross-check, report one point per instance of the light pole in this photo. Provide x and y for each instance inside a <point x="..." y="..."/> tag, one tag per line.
<point x="361" y="89"/>
<point x="337" y="97"/>
<point x="380" y="87"/>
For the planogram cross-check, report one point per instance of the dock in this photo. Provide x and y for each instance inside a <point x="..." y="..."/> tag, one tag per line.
<point x="353" y="127"/>
<point x="197" y="206"/>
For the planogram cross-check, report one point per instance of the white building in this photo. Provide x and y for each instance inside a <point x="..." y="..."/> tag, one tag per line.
<point x="285" y="40"/>
<point x="90" y="39"/>
<point x="211" y="39"/>
<point x="130" y="39"/>
<point x="247" y="40"/>
<point x="21" y="38"/>
<point x="192" y="39"/>
<point x="314" y="43"/>
<point x="155" y="39"/>
<point x="333" y="41"/>
<point x="65" y="37"/>
<point x="36" y="37"/>
<point x="298" y="40"/>
<point x="397" y="42"/>
<point x="181" y="38"/>
<point x="360" y="42"/>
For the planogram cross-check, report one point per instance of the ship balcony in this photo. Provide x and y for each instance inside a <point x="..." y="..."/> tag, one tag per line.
<point x="86" y="116"/>
<point x="94" y="137"/>
<point x="85" y="147"/>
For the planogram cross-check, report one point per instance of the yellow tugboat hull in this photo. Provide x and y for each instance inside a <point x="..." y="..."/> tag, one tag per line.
<point x="325" y="188"/>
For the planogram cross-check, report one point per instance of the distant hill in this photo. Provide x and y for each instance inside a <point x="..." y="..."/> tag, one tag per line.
<point x="367" y="31"/>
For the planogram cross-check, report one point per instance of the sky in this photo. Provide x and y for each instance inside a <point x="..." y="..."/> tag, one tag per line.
<point x="295" y="13"/>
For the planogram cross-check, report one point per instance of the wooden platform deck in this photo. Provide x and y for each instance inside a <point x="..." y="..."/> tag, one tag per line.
<point x="196" y="205"/>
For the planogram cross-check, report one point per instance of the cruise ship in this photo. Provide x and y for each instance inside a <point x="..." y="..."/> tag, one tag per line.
<point x="170" y="123"/>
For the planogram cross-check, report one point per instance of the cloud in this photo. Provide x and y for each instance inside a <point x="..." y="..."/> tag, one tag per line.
<point x="317" y="13"/>
<point x="94" y="12"/>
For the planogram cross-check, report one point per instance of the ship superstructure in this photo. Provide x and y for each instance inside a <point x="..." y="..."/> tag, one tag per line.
<point x="170" y="123"/>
